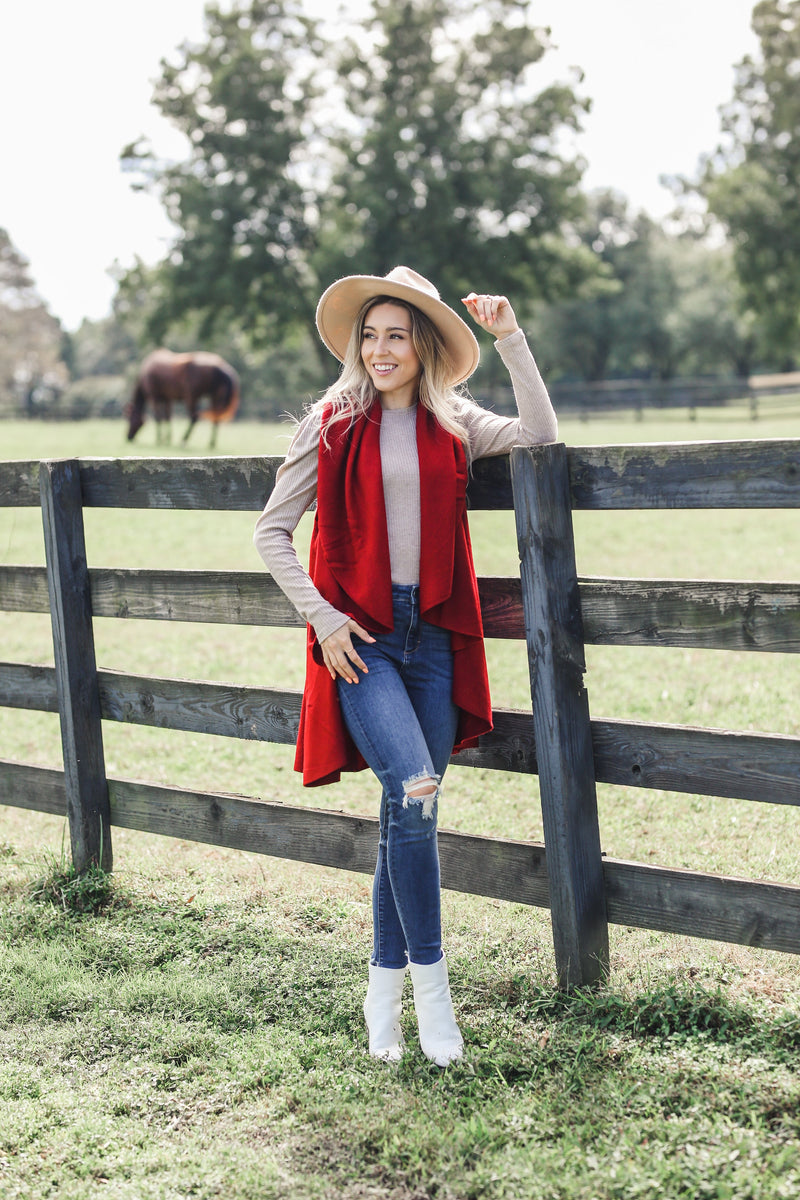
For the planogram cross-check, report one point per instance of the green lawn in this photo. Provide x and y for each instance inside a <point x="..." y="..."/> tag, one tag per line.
<point x="201" y="1035"/>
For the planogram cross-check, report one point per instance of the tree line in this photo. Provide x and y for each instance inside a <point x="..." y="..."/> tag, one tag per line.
<point x="422" y="134"/>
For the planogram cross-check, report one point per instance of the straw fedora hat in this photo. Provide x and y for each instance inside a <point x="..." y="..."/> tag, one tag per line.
<point x="340" y="303"/>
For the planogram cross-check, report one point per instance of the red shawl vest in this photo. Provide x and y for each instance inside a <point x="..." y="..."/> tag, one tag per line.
<point x="349" y="564"/>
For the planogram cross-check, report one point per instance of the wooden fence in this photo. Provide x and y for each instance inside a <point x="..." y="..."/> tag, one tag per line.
<point x="548" y="607"/>
<point x="764" y="396"/>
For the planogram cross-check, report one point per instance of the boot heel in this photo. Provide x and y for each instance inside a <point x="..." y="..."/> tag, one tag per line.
<point x="439" y="1035"/>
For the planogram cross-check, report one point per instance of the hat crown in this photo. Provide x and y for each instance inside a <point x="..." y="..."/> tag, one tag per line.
<point x="411" y="278"/>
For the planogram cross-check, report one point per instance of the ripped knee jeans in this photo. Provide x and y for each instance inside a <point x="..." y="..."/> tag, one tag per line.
<point x="403" y="720"/>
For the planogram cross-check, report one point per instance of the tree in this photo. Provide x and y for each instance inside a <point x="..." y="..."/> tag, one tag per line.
<point x="104" y="347"/>
<point x="663" y="304"/>
<point x="752" y="183"/>
<point x="450" y="159"/>
<point x="422" y="140"/>
<point x="31" y="366"/>
<point x="244" y="217"/>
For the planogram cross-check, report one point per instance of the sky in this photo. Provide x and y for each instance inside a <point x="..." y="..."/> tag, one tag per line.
<point x="77" y="80"/>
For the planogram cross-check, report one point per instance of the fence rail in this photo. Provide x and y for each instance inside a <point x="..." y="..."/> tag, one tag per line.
<point x="761" y="393"/>
<point x="551" y="609"/>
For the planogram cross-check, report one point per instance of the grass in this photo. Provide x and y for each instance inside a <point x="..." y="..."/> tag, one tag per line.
<point x="191" y="1026"/>
<point x="202" y="1036"/>
<point x="74" y="891"/>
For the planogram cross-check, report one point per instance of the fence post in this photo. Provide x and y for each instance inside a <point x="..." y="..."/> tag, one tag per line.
<point x="554" y="632"/>
<point x="76" y="670"/>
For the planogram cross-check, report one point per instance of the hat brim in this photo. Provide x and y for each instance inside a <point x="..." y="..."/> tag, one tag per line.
<point x="341" y="302"/>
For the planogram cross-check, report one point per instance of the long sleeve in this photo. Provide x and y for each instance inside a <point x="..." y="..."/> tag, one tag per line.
<point x="491" y="435"/>
<point x="294" y="493"/>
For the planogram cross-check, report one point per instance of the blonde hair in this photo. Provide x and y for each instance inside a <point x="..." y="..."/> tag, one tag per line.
<point x="353" y="393"/>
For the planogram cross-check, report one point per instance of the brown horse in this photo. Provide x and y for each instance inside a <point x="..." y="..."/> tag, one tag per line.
<point x="165" y="378"/>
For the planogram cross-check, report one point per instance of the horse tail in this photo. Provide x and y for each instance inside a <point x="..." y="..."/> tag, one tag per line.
<point x="225" y="401"/>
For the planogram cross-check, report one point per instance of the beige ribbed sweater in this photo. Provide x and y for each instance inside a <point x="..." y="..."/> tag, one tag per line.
<point x="296" y="481"/>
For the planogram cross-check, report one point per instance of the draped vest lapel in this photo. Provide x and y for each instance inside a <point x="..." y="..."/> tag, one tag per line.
<point x="350" y="565"/>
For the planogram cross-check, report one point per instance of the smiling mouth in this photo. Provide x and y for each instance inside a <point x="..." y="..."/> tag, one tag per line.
<point x="383" y="368"/>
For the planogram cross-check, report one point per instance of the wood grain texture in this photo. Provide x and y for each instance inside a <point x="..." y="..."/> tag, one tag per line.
<point x="23" y="589"/>
<point x="227" y="710"/>
<point x="234" y="710"/>
<point x="741" y="911"/>
<point x="554" y="633"/>
<point x="696" y="614"/>
<point x="711" y="762"/>
<point x="28" y="686"/>
<point x="233" y="484"/>
<point x="19" y="484"/>
<point x="39" y="789"/>
<point x="75" y="669"/>
<point x="759" y="474"/>
<point x="692" y="904"/>
<point x="674" y="758"/>
<point x="219" y="597"/>
<point x="482" y="866"/>
<point x="752" y="474"/>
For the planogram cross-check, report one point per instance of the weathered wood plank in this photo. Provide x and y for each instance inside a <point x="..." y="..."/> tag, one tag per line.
<point x="273" y="715"/>
<point x="244" y="823"/>
<point x="229" y="483"/>
<point x="693" y="613"/>
<point x="332" y="839"/>
<point x="752" y="474"/>
<point x="241" y="598"/>
<point x="227" y="710"/>
<point x="698" y="614"/>
<point x="489" y="485"/>
<point x="23" y="589"/>
<point x="674" y="758"/>
<point x="233" y="710"/>
<point x="19" y="484"/>
<point x="28" y="686"/>
<point x="560" y="712"/>
<point x="501" y="606"/>
<point x="511" y="745"/>
<point x="75" y="669"/>
<point x="39" y="789"/>
<point x="478" y="865"/>
<point x="741" y="911"/>
<point x="232" y="484"/>
<point x="760" y="474"/>
<point x="689" y="903"/>
<point x="711" y="762"/>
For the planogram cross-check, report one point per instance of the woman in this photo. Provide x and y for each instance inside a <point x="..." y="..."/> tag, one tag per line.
<point x="396" y="673"/>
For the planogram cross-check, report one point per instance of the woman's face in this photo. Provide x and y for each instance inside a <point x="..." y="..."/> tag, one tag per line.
<point x="388" y="354"/>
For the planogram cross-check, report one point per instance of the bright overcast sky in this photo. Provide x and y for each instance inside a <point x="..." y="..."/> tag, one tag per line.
<point x="76" y="85"/>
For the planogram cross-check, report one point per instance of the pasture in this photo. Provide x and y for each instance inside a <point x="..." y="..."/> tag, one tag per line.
<point x="202" y="1035"/>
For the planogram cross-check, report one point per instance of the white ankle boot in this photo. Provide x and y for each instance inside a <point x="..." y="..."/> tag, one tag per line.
<point x="439" y="1035"/>
<point x="382" y="1009"/>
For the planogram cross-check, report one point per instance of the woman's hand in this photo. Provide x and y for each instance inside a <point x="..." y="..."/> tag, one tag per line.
<point x="493" y="313"/>
<point x="340" y="655"/>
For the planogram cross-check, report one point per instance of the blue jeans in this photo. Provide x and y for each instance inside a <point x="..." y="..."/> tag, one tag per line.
<point x="402" y="718"/>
